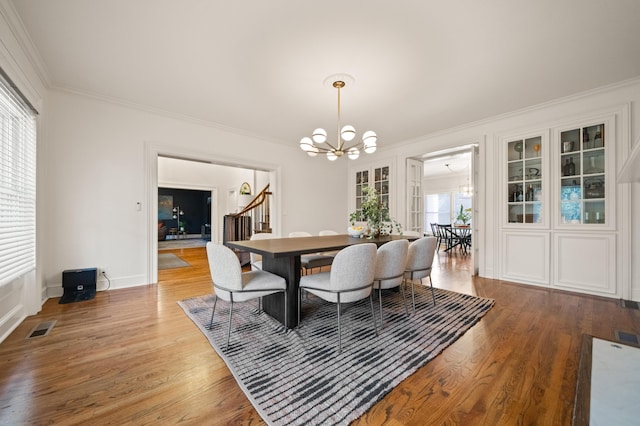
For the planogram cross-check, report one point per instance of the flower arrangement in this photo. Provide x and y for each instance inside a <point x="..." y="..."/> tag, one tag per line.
<point x="376" y="214"/>
<point x="464" y="215"/>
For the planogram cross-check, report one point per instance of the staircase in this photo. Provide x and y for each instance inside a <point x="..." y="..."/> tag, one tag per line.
<point x="254" y="218"/>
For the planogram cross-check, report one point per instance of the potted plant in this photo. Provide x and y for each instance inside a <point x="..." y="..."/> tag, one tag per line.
<point x="464" y="215"/>
<point x="376" y="214"/>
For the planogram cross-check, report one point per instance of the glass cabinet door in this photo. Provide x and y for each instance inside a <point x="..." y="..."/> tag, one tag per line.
<point x="381" y="183"/>
<point x="582" y="171"/>
<point x="362" y="180"/>
<point x="524" y="186"/>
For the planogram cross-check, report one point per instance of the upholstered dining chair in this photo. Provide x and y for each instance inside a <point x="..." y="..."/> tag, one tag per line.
<point x="391" y="261"/>
<point x="324" y="233"/>
<point x="309" y="262"/>
<point x="232" y="285"/>
<point x="350" y="280"/>
<point x="255" y="258"/>
<point x="419" y="261"/>
<point x="412" y="233"/>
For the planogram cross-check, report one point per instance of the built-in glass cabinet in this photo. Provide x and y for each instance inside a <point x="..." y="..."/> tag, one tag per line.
<point x="582" y="170"/>
<point x="525" y="180"/>
<point x="377" y="177"/>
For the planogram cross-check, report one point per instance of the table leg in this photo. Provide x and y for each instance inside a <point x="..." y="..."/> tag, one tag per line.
<point x="289" y="269"/>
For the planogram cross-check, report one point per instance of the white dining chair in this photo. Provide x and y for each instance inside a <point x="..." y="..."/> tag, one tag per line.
<point x="391" y="261"/>
<point x="232" y="285"/>
<point x="324" y="233"/>
<point x="411" y="233"/>
<point x="309" y="262"/>
<point x="419" y="261"/>
<point x="255" y="258"/>
<point x="350" y="280"/>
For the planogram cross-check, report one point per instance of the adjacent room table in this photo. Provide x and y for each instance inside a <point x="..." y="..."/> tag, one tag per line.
<point x="281" y="256"/>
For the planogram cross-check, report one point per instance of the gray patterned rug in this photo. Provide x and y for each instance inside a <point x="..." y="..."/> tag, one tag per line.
<point x="299" y="378"/>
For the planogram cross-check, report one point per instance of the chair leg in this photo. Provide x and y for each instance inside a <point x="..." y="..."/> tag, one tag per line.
<point x="413" y="295"/>
<point x="339" y="329"/>
<point x="413" y="298"/>
<point x="373" y="317"/>
<point x="299" y="303"/>
<point x="286" y="313"/>
<point x="229" y="327"/>
<point x="215" y="300"/>
<point x="433" y="296"/>
<point x="380" y="301"/>
<point x="404" y="300"/>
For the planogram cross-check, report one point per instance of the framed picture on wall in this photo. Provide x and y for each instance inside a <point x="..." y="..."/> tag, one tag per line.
<point x="165" y="207"/>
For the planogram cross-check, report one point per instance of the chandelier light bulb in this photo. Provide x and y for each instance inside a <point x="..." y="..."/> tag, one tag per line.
<point x="353" y="153"/>
<point x="319" y="135"/>
<point x="312" y="152"/>
<point x="369" y="137"/>
<point x="331" y="156"/>
<point x="348" y="133"/>
<point x="306" y="144"/>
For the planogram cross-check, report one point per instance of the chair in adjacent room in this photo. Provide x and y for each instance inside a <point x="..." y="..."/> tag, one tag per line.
<point x="434" y="231"/>
<point x="419" y="262"/>
<point x="232" y="285"/>
<point x="255" y="258"/>
<point x="350" y="280"/>
<point x="444" y="236"/>
<point x="309" y="262"/>
<point x="390" y="266"/>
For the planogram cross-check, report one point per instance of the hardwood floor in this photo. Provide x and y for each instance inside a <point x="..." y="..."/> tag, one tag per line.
<point x="131" y="356"/>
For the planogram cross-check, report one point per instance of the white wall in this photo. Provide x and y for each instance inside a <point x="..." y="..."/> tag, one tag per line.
<point x="442" y="184"/>
<point x="97" y="169"/>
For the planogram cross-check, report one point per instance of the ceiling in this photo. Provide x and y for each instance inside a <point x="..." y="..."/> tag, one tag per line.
<point x="257" y="67"/>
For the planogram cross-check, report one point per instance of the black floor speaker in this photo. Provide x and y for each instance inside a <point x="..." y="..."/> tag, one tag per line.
<point x="79" y="284"/>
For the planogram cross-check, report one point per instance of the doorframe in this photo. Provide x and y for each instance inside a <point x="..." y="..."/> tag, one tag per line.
<point x="153" y="150"/>
<point x="477" y="183"/>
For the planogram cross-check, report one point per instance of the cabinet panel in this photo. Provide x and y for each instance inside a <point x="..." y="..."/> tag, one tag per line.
<point x="585" y="263"/>
<point x="526" y="257"/>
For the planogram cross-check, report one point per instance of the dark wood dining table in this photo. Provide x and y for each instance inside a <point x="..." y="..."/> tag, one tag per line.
<point x="281" y="256"/>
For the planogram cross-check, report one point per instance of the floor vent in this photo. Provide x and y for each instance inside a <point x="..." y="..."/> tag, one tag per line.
<point x="629" y="338"/>
<point x="630" y="304"/>
<point x="41" y="329"/>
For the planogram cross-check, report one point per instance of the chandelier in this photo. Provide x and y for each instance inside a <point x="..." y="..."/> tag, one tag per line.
<point x="318" y="143"/>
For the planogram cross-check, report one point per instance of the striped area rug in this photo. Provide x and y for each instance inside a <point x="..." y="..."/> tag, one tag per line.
<point x="299" y="378"/>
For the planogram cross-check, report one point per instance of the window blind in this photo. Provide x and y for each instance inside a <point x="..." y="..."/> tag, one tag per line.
<point x="17" y="185"/>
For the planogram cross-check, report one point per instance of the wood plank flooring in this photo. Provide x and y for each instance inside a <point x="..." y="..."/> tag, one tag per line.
<point x="131" y="356"/>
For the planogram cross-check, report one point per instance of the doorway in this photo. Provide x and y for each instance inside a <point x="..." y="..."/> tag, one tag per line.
<point x="449" y="190"/>
<point x="200" y="172"/>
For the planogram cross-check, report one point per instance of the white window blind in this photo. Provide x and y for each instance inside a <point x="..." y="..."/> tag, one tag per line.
<point x="17" y="185"/>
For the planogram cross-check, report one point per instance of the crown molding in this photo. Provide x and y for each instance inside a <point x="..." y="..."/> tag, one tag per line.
<point x="533" y="108"/>
<point x="17" y="28"/>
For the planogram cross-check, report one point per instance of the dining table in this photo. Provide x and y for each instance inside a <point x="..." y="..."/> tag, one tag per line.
<point x="281" y="256"/>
